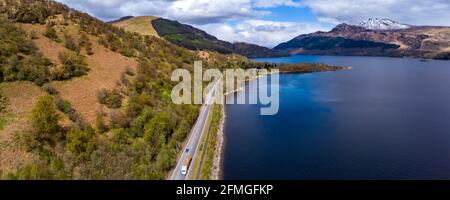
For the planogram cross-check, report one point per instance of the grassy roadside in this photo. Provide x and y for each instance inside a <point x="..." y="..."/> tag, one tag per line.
<point x="203" y="168"/>
<point x="208" y="162"/>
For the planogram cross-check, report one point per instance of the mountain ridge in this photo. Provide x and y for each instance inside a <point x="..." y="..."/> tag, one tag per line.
<point x="415" y="41"/>
<point x="192" y="38"/>
<point x="373" y="37"/>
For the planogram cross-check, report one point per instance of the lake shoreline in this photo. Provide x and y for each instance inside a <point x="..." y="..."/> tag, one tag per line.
<point x="218" y="161"/>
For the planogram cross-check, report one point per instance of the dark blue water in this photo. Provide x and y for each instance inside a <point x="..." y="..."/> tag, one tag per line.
<point x="387" y="118"/>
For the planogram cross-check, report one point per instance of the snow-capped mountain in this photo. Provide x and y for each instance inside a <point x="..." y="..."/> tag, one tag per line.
<point x="374" y="37"/>
<point x="382" y="24"/>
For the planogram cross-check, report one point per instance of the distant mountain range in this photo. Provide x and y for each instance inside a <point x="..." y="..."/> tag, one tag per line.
<point x="190" y="37"/>
<point x="373" y="37"/>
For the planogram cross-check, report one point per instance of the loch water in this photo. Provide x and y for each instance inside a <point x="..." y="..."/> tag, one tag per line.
<point x="386" y="118"/>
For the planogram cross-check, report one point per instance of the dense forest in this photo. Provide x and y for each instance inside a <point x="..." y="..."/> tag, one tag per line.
<point x="189" y="37"/>
<point x="324" y="43"/>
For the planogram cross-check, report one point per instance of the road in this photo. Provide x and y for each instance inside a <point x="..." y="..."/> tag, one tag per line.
<point x="193" y="143"/>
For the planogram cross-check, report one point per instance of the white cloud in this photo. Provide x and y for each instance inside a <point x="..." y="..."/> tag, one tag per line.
<point x="261" y="32"/>
<point x="419" y="12"/>
<point x="210" y="11"/>
<point x="274" y="3"/>
<point x="213" y="16"/>
<point x="415" y="12"/>
<point x="187" y="11"/>
<point x="113" y="9"/>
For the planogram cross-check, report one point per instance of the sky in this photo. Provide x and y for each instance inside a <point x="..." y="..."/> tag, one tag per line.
<point x="270" y="22"/>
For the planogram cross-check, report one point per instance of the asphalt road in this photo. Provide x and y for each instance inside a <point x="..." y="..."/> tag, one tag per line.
<point x="194" y="141"/>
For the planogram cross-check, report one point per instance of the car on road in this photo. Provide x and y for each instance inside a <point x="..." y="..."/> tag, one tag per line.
<point x="186" y="164"/>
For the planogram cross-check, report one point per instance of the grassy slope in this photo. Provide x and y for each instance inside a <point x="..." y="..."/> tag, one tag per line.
<point x="142" y="25"/>
<point x="105" y="70"/>
<point x="18" y="112"/>
<point x="16" y="123"/>
<point x="106" y="67"/>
